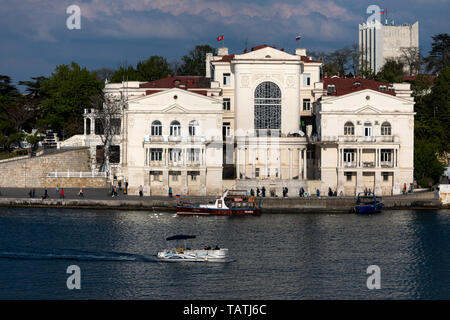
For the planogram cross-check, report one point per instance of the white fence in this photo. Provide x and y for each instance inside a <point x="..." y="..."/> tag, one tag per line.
<point x="76" y="175"/>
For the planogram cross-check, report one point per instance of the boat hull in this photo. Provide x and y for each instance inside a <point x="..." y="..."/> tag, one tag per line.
<point x="369" y="208"/>
<point x="219" y="255"/>
<point x="183" y="210"/>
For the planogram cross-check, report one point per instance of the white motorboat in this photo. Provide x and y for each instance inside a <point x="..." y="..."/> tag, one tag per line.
<point x="184" y="253"/>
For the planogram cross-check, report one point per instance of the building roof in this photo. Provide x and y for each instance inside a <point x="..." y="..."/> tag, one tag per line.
<point x="344" y="86"/>
<point x="182" y="82"/>
<point x="226" y="58"/>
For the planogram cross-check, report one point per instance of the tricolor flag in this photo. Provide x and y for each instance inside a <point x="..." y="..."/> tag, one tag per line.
<point x="298" y="38"/>
<point x="220" y="38"/>
<point x="384" y="11"/>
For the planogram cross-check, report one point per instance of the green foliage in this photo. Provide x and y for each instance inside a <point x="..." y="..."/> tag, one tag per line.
<point x="439" y="56"/>
<point x="123" y="74"/>
<point x="432" y="130"/>
<point x="68" y="92"/>
<point x="391" y="72"/>
<point x="154" y="68"/>
<point x="427" y="167"/>
<point x="193" y="64"/>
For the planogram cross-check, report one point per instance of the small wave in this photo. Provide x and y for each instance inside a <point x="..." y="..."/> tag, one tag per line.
<point x="100" y="256"/>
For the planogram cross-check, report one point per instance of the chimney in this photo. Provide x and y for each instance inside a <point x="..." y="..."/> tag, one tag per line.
<point x="208" y="59"/>
<point x="222" y="51"/>
<point x="300" y="52"/>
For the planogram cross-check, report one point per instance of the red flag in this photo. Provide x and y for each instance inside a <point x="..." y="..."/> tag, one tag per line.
<point x="220" y="38"/>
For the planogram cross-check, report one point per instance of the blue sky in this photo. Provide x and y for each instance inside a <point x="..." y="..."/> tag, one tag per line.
<point x="35" y="38"/>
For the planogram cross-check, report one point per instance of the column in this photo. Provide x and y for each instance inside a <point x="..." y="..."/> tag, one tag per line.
<point x="267" y="162"/>
<point x="253" y="160"/>
<point x="357" y="156"/>
<point x="395" y="158"/>
<point x="166" y="157"/>
<point x="290" y="163"/>
<point x="279" y="163"/>
<point x="299" y="164"/>
<point x="237" y="163"/>
<point x="85" y="124"/>
<point x="305" y="160"/>
<point x="245" y="162"/>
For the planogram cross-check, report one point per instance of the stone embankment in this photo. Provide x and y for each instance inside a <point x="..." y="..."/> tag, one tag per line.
<point x="32" y="172"/>
<point x="269" y="205"/>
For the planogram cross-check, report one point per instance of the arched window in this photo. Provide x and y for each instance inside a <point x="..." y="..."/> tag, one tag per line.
<point x="156" y="128"/>
<point x="193" y="128"/>
<point x="349" y="129"/>
<point x="386" y="129"/>
<point x="267" y="111"/>
<point x="175" y="128"/>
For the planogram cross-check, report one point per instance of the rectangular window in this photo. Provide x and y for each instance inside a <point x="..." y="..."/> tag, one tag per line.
<point x="331" y="88"/>
<point x="306" y="104"/>
<point x="349" y="176"/>
<point x="175" y="155"/>
<point x="367" y="131"/>
<point x="226" y="79"/>
<point x="156" y="175"/>
<point x="349" y="156"/>
<point x="226" y="129"/>
<point x="256" y="172"/>
<point x="156" y="154"/>
<point x="386" y="155"/>
<point x="385" y="176"/>
<point x="194" y="155"/>
<point x="226" y="104"/>
<point x="306" y="79"/>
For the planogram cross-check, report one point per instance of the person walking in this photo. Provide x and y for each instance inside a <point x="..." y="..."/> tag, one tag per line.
<point x="170" y="192"/>
<point x="318" y="192"/>
<point x="252" y="192"/>
<point x="45" y="196"/>
<point x="120" y="185"/>
<point x="141" y="191"/>
<point x="81" y="193"/>
<point x="287" y="190"/>
<point x="263" y="191"/>
<point x="257" y="191"/>
<point x="30" y="194"/>
<point x="61" y="194"/>
<point x="330" y="192"/>
<point x="34" y="193"/>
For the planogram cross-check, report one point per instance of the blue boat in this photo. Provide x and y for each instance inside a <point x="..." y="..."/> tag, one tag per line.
<point x="368" y="203"/>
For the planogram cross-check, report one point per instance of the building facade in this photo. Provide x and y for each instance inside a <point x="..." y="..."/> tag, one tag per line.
<point x="261" y="118"/>
<point x="379" y="42"/>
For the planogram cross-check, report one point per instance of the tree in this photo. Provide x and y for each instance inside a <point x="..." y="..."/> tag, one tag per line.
<point x="68" y="91"/>
<point x="108" y="113"/>
<point x="391" y="72"/>
<point x="124" y="73"/>
<point x="439" y="56"/>
<point x="427" y="168"/>
<point x="104" y="73"/>
<point x="194" y="63"/>
<point x="154" y="68"/>
<point x="412" y="58"/>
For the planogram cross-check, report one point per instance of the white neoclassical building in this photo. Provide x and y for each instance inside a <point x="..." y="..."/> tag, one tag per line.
<point x="267" y="118"/>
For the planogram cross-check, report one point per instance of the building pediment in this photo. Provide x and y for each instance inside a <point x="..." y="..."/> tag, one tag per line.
<point x="368" y="110"/>
<point x="175" y="108"/>
<point x="267" y="53"/>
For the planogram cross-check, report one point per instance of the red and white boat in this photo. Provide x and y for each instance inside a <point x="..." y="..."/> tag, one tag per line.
<point x="231" y="203"/>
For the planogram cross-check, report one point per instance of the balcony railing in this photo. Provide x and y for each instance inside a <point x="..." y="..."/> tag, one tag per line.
<point x="76" y="175"/>
<point x="360" y="139"/>
<point x="165" y="138"/>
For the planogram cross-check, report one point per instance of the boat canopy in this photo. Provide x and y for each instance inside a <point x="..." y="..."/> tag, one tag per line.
<point x="180" y="237"/>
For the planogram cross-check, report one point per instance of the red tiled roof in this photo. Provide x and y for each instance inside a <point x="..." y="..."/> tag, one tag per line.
<point x="262" y="47"/>
<point x="308" y="59"/>
<point x="349" y="85"/>
<point x="431" y="77"/>
<point x="182" y="82"/>
<point x="226" y="58"/>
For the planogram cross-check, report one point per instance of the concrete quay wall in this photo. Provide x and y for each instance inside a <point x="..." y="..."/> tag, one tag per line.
<point x="269" y="205"/>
